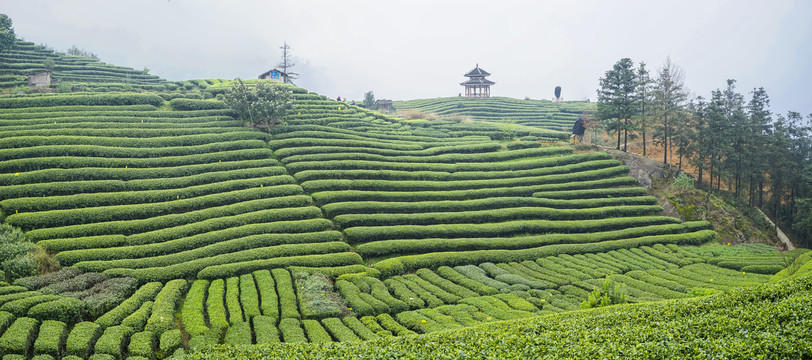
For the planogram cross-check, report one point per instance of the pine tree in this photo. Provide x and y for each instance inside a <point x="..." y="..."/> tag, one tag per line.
<point x="644" y="99"/>
<point x="616" y="98"/>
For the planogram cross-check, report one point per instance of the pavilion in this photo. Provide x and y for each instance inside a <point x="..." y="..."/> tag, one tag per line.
<point x="477" y="85"/>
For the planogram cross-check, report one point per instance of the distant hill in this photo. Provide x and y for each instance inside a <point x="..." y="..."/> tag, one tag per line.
<point x="543" y="114"/>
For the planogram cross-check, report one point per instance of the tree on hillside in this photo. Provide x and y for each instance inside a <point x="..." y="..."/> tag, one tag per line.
<point x="75" y="51"/>
<point x="759" y="127"/>
<point x="7" y="36"/>
<point x="286" y="63"/>
<point x="369" y="99"/>
<point x="616" y="98"/>
<point x="670" y="96"/>
<point x="643" y="97"/>
<point x="262" y="106"/>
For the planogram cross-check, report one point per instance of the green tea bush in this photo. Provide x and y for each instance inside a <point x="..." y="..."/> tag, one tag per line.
<point x="19" y="337"/>
<point x="339" y="331"/>
<point x="83" y="99"/>
<point x="181" y="104"/>
<point x="67" y="310"/>
<point x="145" y="293"/>
<point x="358" y="328"/>
<point x="410" y="298"/>
<point x="235" y="314"/>
<point x="352" y="295"/>
<point x="78" y="283"/>
<point x="269" y="301"/>
<point x="40" y="281"/>
<point x="249" y="297"/>
<point x="113" y="341"/>
<point x="265" y="330"/>
<point x="142" y="344"/>
<point x="287" y="295"/>
<point x="291" y="331"/>
<point x="169" y="342"/>
<point x="331" y="259"/>
<point x="428" y="297"/>
<point x="215" y="305"/>
<point x="315" y="332"/>
<point x="238" y="334"/>
<point x="82" y="338"/>
<point x="51" y="338"/>
<point x="138" y="319"/>
<point x="192" y="312"/>
<point x="20" y="307"/>
<point x="450" y="287"/>
<point x="457" y="278"/>
<point x="163" y="310"/>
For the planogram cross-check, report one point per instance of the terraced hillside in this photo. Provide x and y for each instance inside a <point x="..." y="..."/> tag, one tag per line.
<point x="178" y="228"/>
<point x="543" y="114"/>
<point x="27" y="58"/>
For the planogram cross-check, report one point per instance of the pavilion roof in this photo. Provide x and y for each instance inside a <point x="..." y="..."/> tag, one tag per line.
<point x="477" y="72"/>
<point x="478" y="81"/>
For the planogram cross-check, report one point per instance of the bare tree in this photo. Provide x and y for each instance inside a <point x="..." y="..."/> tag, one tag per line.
<point x="670" y="97"/>
<point x="286" y="64"/>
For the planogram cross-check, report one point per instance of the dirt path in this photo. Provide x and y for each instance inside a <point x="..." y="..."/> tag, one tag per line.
<point x="781" y="236"/>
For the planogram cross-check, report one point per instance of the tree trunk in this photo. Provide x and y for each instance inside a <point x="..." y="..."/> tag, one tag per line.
<point x="625" y="134"/>
<point x="665" y="140"/>
<point x="761" y="194"/>
<point x="643" y="124"/>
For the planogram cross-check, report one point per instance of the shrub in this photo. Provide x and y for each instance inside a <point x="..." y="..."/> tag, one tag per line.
<point x="20" y="307"/>
<point x="138" y="319"/>
<point x="142" y="344"/>
<point x="238" y="334"/>
<point x="66" y="310"/>
<point x="339" y="331"/>
<point x="192" y="312"/>
<point x="265" y="330"/>
<point x="352" y="295"/>
<point x="19" y="337"/>
<point x="457" y="278"/>
<point x="235" y="314"/>
<point x="78" y="283"/>
<point x="379" y="291"/>
<point x="763" y="269"/>
<point x="82" y="338"/>
<point x="133" y="303"/>
<point x="181" y="104"/>
<point x="336" y="256"/>
<point x="371" y="323"/>
<point x="215" y="306"/>
<point x="358" y="328"/>
<point x="267" y="294"/>
<point x="171" y="341"/>
<point x="51" y="338"/>
<point x="315" y="332"/>
<point x="389" y="323"/>
<point x="113" y="340"/>
<point x="444" y="284"/>
<point x="404" y="294"/>
<point x="435" y="290"/>
<point x="249" y="297"/>
<point x="163" y="310"/>
<point x="287" y="296"/>
<point x="40" y="281"/>
<point x="106" y="295"/>
<point x="291" y="331"/>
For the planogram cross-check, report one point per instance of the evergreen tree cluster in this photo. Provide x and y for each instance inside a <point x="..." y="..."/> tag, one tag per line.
<point x="734" y="143"/>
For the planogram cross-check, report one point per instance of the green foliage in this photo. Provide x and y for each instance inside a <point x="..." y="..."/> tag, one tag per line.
<point x="82" y="338"/>
<point x="7" y="37"/>
<point x="291" y="331"/>
<point x="287" y="295"/>
<point x="145" y="293"/>
<point x="163" y="310"/>
<point x="113" y="340"/>
<point x="339" y="330"/>
<point x="142" y="344"/>
<point x="138" y="319"/>
<point x="609" y="293"/>
<point x="19" y="337"/>
<point x="66" y="310"/>
<point x="262" y="106"/>
<point x="238" y="334"/>
<point x="192" y="312"/>
<point x="265" y="330"/>
<point x="315" y="332"/>
<point x="170" y="341"/>
<point x="267" y="295"/>
<point x="215" y="306"/>
<point x="51" y="338"/>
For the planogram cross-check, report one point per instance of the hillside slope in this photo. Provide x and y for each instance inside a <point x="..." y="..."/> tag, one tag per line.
<point x="543" y="114"/>
<point x="178" y="225"/>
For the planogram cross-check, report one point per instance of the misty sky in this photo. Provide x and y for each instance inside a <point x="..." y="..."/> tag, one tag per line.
<point x="417" y="49"/>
